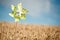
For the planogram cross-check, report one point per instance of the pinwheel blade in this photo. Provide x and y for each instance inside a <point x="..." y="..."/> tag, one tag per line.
<point x="19" y="7"/>
<point x="17" y="20"/>
<point x="11" y="14"/>
<point x="23" y="17"/>
<point x="24" y="11"/>
<point x="13" y="8"/>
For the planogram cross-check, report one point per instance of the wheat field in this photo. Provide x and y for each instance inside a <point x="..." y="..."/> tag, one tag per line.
<point x="18" y="31"/>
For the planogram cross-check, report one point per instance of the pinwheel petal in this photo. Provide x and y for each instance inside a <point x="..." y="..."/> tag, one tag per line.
<point x="16" y="19"/>
<point x="19" y="7"/>
<point x="12" y="7"/>
<point x="11" y="14"/>
<point x="23" y="17"/>
<point x="24" y="11"/>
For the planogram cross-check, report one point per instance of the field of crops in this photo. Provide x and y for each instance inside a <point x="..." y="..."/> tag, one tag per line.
<point x="18" y="31"/>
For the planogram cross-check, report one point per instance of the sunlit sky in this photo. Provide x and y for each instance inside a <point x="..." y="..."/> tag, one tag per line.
<point x="40" y="11"/>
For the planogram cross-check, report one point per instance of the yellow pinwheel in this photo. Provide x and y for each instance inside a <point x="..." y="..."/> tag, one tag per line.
<point x="18" y="12"/>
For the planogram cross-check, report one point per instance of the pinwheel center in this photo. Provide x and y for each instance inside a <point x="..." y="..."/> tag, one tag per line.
<point x="18" y="14"/>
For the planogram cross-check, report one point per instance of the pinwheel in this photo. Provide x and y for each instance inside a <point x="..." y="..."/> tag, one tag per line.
<point x="18" y="12"/>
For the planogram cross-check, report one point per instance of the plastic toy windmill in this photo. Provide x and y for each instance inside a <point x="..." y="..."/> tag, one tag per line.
<point x="18" y="12"/>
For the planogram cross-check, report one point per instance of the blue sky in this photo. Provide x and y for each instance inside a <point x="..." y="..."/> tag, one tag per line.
<point x="40" y="11"/>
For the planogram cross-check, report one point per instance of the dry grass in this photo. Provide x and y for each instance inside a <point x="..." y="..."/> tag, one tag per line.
<point x="16" y="31"/>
